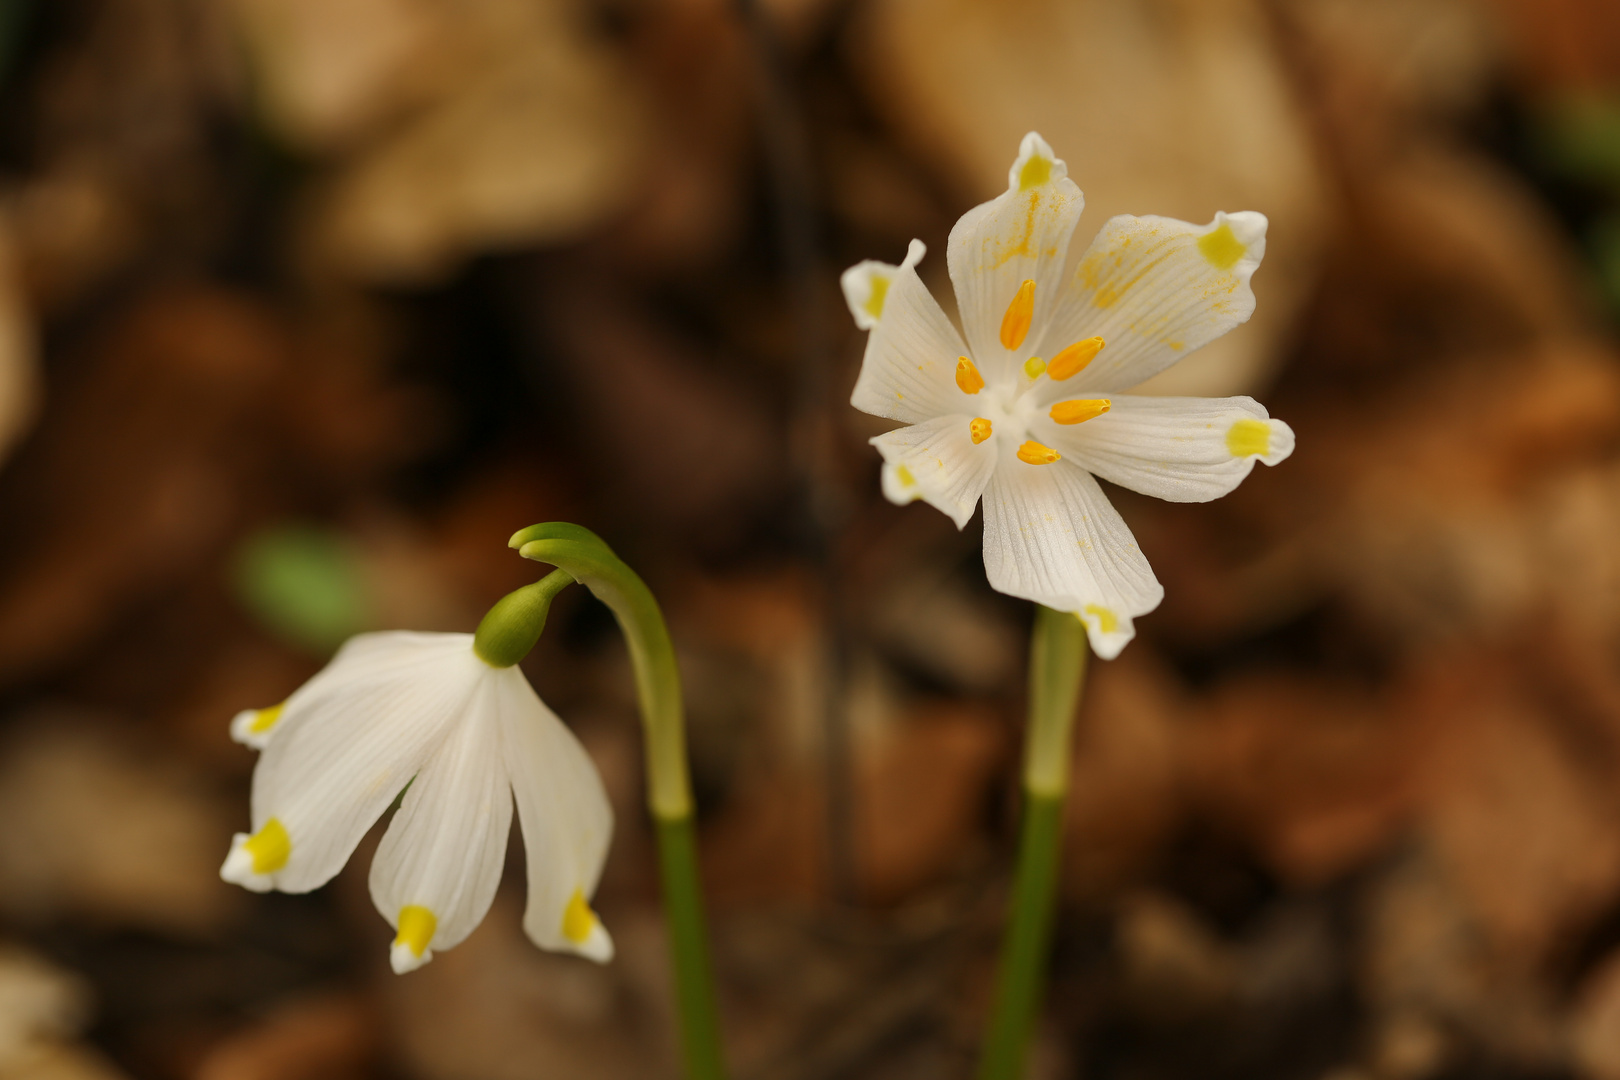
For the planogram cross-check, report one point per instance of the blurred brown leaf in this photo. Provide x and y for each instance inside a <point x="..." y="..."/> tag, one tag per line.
<point x="1181" y="111"/>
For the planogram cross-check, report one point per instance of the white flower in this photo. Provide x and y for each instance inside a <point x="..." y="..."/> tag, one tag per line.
<point x="1029" y="410"/>
<point x="422" y="709"/>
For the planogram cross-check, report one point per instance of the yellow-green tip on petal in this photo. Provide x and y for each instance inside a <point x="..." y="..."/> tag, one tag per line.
<point x="1222" y="247"/>
<point x="270" y="847"/>
<point x="1036" y="171"/>
<point x="410" y="951"/>
<point x="253" y="727"/>
<point x="584" y="931"/>
<point x="1248" y="438"/>
<point x="578" y="919"/>
<point x="254" y="859"/>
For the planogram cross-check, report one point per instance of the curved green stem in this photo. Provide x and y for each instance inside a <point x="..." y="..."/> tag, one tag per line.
<point x="586" y="559"/>
<point x="1057" y="665"/>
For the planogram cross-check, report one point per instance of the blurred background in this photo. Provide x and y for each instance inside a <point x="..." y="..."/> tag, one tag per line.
<point x="306" y="305"/>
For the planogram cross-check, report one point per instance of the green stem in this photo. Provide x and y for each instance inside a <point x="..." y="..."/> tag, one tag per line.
<point x="1057" y="664"/>
<point x="591" y="562"/>
<point x="694" y="982"/>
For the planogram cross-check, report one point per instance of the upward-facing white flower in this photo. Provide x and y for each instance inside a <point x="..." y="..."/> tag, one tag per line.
<point x="394" y="709"/>
<point x="1029" y="408"/>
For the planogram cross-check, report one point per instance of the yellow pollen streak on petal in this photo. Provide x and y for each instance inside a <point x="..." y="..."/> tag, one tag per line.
<point x="1034" y="367"/>
<point x="265" y="719"/>
<point x="416" y="928"/>
<point x="578" y="919"/>
<point x="979" y="429"/>
<point x="1036" y="171"/>
<point x="1080" y="410"/>
<point x="1221" y="247"/>
<point x="968" y="379"/>
<point x="270" y="847"/>
<point x="1015" y="324"/>
<point x="905" y="477"/>
<point x="1246" y="438"/>
<point x="1073" y="359"/>
<point x="875" y="299"/>
<point x="1033" y="453"/>
<point x="1107" y="621"/>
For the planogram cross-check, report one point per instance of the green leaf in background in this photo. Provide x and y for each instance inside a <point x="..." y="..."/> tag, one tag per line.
<point x="303" y="583"/>
<point x="1603" y="240"/>
<point x="1580" y="138"/>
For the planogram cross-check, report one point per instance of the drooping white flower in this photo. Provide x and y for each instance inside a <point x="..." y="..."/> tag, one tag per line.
<point x="1028" y="410"/>
<point x="398" y="709"/>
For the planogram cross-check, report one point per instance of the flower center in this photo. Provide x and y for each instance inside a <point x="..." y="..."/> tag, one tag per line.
<point x="1009" y="408"/>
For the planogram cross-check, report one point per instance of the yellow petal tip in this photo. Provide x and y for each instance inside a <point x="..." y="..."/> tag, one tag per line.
<point x="270" y="847"/>
<point x="578" y="919"/>
<point x="1107" y="621"/>
<point x="1222" y="247"/>
<point x="1249" y="438"/>
<point x="417" y="925"/>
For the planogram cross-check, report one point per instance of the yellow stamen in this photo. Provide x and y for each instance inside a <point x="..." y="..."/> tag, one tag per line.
<point x="416" y="927"/>
<point x="265" y="719"/>
<point x="1080" y="410"/>
<point x="1015" y="324"/>
<point x="879" y="293"/>
<point x="1221" y="248"/>
<point x="1248" y="437"/>
<point x="1073" y="359"/>
<point x="968" y="379"/>
<point x="269" y="847"/>
<point x="979" y="429"/>
<point x="1033" y="453"/>
<point x="1034" y="366"/>
<point x="578" y="919"/>
<point x="1036" y="171"/>
<point x="1107" y="621"/>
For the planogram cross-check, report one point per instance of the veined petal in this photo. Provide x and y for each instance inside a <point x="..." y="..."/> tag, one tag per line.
<point x="1180" y="449"/>
<point x="909" y="372"/>
<point x="1020" y="236"/>
<point x="345" y="745"/>
<point x="1051" y="535"/>
<point x="440" y="861"/>
<point x="939" y="462"/>
<point x="566" y="819"/>
<point x="1154" y="289"/>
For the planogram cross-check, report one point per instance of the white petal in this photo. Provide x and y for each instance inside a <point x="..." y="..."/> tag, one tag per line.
<point x="1022" y="234"/>
<point x="444" y="850"/>
<point x="1154" y="289"/>
<point x="1180" y="449"/>
<point x="348" y="742"/>
<point x="566" y="820"/>
<point x="909" y="371"/>
<point x="1050" y="535"/>
<point x="937" y="461"/>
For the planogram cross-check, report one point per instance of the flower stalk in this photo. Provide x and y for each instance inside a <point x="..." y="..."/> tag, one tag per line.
<point x="582" y="556"/>
<point x="1057" y="666"/>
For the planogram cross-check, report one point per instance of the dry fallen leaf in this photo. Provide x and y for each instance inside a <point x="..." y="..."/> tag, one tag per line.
<point x="1179" y="109"/>
<point x="98" y="831"/>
